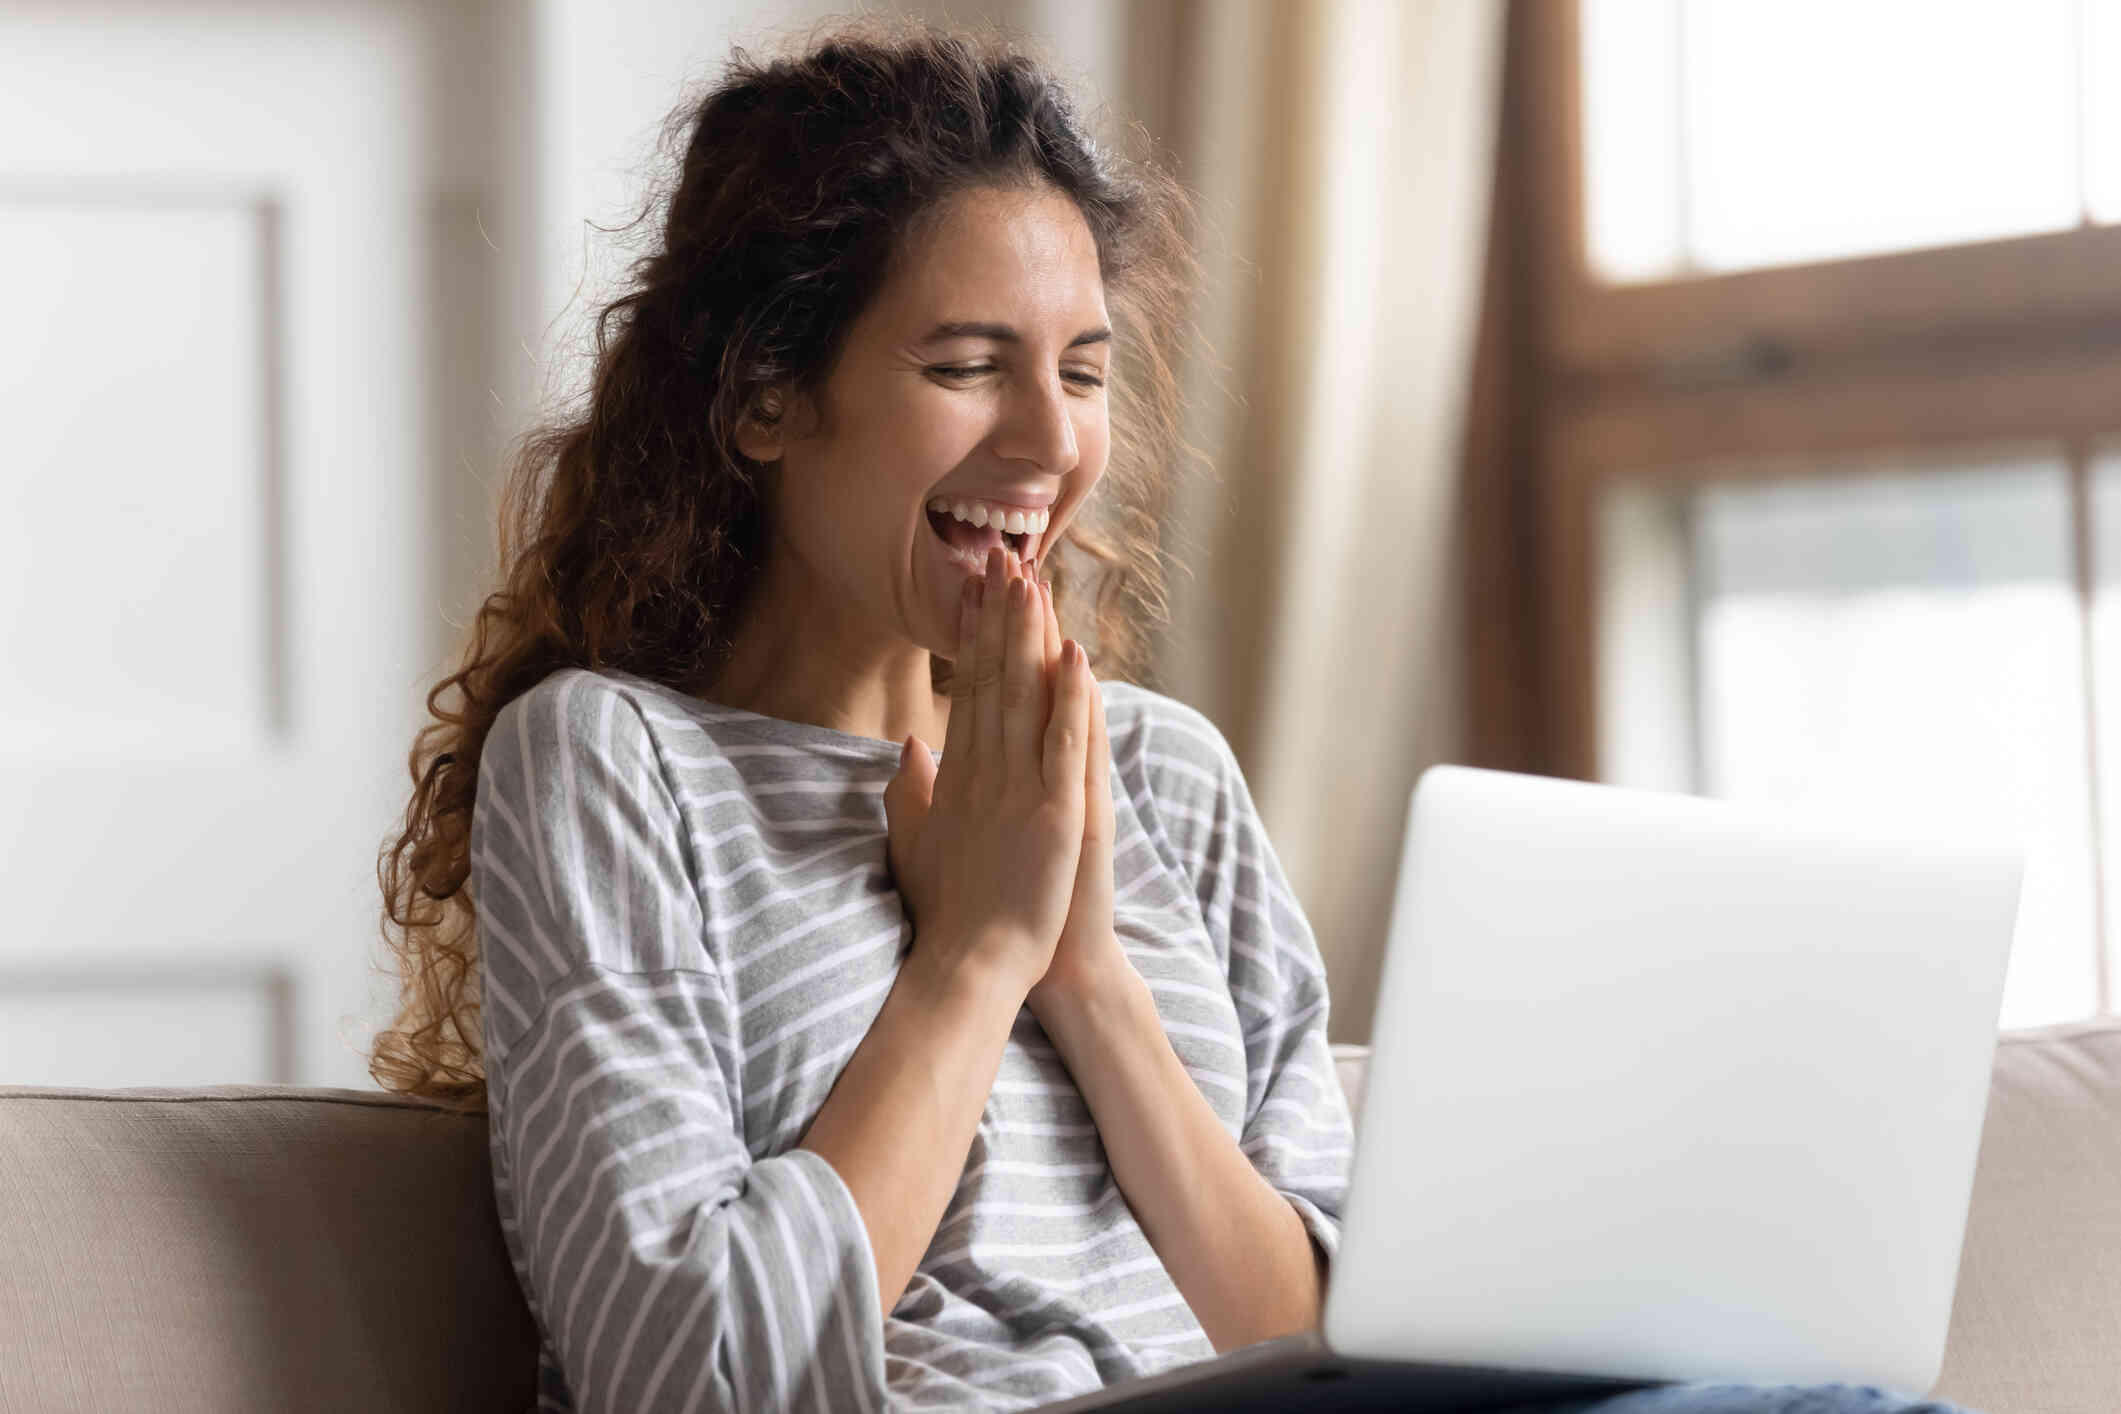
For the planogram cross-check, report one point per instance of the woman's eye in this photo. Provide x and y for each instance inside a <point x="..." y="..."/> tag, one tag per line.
<point x="965" y="371"/>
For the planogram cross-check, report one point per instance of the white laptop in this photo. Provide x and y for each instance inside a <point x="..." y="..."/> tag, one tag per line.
<point x="1661" y="1089"/>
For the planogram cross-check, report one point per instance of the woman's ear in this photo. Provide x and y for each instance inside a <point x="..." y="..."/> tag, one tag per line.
<point x="763" y="433"/>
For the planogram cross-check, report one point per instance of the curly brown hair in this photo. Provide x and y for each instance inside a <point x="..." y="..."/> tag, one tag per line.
<point x="632" y="528"/>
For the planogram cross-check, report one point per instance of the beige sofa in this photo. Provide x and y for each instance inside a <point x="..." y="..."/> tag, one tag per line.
<point x="239" y="1248"/>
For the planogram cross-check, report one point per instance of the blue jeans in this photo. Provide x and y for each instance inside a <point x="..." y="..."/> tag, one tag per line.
<point x="1748" y="1399"/>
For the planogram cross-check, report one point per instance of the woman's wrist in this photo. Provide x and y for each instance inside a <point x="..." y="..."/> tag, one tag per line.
<point x="947" y="971"/>
<point x="1087" y="979"/>
<point x="1098" y="1014"/>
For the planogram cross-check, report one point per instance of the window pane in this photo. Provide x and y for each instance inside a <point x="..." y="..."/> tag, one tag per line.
<point x="2101" y="73"/>
<point x="1633" y="227"/>
<point x="1817" y="129"/>
<point x="1890" y="643"/>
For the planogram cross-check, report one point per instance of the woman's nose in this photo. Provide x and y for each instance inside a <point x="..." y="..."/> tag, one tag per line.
<point x="1038" y="427"/>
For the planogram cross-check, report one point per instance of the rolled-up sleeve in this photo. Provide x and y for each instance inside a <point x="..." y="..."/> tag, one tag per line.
<point x="668" y="1268"/>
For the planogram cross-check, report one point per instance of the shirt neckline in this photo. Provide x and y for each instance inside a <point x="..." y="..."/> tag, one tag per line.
<point x="780" y="731"/>
<point x="776" y="730"/>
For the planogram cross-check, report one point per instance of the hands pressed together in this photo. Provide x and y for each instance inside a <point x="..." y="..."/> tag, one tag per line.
<point x="1003" y="853"/>
<point x="1003" y="860"/>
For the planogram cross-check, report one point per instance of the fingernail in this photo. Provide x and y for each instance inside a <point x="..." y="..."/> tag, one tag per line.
<point x="1069" y="651"/>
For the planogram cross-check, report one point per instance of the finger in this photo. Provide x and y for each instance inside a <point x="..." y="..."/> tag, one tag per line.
<point x="987" y="669"/>
<point x="958" y="734"/>
<point x="907" y="797"/>
<point x="1023" y="681"/>
<point x="1068" y="730"/>
<point x="908" y="793"/>
<point x="1053" y="642"/>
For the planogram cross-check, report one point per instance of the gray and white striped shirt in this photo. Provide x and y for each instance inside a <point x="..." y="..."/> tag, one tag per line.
<point x="686" y="925"/>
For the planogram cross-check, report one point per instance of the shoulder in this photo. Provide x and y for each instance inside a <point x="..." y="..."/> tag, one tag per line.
<point x="569" y="712"/>
<point x="1174" y="761"/>
<point x="1168" y="737"/>
<point x="611" y="725"/>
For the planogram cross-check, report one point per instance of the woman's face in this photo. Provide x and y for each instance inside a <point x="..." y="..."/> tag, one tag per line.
<point x="975" y="377"/>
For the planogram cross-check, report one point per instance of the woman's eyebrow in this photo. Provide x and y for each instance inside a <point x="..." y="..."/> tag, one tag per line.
<point x="968" y="329"/>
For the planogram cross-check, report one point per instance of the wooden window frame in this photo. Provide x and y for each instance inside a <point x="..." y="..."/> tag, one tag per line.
<point x="1689" y="380"/>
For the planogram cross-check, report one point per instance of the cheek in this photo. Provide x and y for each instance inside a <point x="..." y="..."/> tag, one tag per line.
<point x="928" y="436"/>
<point x="888" y="459"/>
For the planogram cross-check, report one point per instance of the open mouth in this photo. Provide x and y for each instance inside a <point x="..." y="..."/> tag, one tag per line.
<point x="970" y="543"/>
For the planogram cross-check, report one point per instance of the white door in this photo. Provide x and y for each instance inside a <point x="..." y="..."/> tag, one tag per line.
<point x="231" y="272"/>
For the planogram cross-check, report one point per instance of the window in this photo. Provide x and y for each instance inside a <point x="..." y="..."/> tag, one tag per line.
<point x="1823" y="343"/>
<point x="1727" y="135"/>
<point x="1894" y="641"/>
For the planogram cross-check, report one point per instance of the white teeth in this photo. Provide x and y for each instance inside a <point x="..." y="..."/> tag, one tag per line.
<point x="976" y="513"/>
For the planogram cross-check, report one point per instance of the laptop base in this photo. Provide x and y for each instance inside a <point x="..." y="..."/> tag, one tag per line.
<point x="1299" y="1375"/>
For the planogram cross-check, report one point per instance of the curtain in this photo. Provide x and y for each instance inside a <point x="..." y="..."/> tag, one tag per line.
<point x="1343" y="154"/>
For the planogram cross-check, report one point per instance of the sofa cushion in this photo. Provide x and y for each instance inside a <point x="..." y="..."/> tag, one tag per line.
<point x="243" y="1248"/>
<point x="2036" y="1328"/>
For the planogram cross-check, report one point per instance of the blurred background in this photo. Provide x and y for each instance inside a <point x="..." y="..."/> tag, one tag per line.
<point x="1712" y="397"/>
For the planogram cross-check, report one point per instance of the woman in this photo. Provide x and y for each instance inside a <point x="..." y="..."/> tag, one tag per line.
<point x="824" y="1070"/>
